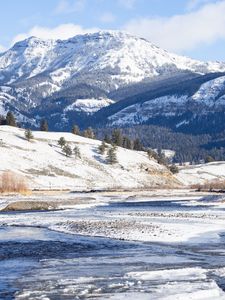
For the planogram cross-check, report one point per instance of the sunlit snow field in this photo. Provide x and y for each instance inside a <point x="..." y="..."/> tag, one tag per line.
<point x="138" y="248"/>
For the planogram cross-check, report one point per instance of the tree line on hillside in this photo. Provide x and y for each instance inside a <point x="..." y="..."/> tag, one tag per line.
<point x="188" y="148"/>
<point x="111" y="157"/>
<point x="10" y="120"/>
<point x="109" y="143"/>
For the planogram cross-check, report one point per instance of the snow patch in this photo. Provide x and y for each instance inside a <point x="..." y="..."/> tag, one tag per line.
<point x="89" y="105"/>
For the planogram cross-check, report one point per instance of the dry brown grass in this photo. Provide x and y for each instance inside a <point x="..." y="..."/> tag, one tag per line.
<point x="11" y="182"/>
<point x="214" y="185"/>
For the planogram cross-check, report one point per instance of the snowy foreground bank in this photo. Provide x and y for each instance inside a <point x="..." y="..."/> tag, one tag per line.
<point x="114" y="246"/>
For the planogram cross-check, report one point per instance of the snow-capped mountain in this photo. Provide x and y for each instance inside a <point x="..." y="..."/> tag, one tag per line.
<point x="64" y="80"/>
<point x="121" y="56"/>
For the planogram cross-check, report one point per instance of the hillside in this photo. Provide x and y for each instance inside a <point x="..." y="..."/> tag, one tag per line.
<point x="185" y="103"/>
<point x="44" y="165"/>
<point x="201" y="174"/>
<point x="78" y="77"/>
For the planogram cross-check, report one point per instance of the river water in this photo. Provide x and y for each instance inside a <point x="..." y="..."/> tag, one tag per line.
<point x="39" y="263"/>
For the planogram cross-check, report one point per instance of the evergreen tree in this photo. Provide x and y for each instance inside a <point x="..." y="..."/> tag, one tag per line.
<point x="117" y="137"/>
<point x="2" y="120"/>
<point x="85" y="133"/>
<point x="152" y="154"/>
<point x="28" y="134"/>
<point x="137" y="145"/>
<point x="10" y="119"/>
<point x="174" y="169"/>
<point x="62" y="142"/>
<point x="209" y="159"/>
<point x="44" y="125"/>
<point x="102" y="148"/>
<point x="161" y="157"/>
<point x="67" y="150"/>
<point x="76" y="130"/>
<point x="107" y="139"/>
<point x="127" y="143"/>
<point x="89" y="133"/>
<point x="111" y="155"/>
<point x="76" y="151"/>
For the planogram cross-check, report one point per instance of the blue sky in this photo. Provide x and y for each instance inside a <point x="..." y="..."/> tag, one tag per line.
<point x="191" y="27"/>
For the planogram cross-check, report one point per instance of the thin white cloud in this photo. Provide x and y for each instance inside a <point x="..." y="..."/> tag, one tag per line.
<point x="192" y="4"/>
<point x="129" y="4"/>
<point x="63" y="31"/>
<point x="107" y="17"/>
<point x="183" y="32"/>
<point x="69" y="6"/>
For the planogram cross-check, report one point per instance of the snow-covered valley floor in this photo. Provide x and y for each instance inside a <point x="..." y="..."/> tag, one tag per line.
<point x="120" y="246"/>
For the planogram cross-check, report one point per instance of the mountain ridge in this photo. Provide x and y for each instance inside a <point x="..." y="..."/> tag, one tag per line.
<point x="80" y="79"/>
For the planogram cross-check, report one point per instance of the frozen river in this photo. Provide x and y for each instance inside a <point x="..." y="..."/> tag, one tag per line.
<point x="138" y="249"/>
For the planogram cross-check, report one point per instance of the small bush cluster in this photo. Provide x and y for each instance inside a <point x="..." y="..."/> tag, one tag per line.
<point x="162" y="160"/>
<point x="112" y="155"/>
<point x="67" y="150"/>
<point x="12" y="183"/>
<point x="214" y="185"/>
<point x="111" y="152"/>
<point x="28" y="134"/>
<point x="102" y="148"/>
<point x="174" y="169"/>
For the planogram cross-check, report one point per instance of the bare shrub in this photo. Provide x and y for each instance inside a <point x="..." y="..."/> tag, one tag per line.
<point x="213" y="185"/>
<point x="12" y="183"/>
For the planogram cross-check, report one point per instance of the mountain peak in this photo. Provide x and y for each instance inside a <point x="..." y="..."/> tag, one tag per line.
<point x="32" y="40"/>
<point x="126" y="57"/>
<point x="81" y="74"/>
<point x="101" y="34"/>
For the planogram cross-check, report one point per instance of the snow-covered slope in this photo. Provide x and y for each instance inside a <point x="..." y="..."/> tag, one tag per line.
<point x="122" y="56"/>
<point x="208" y="98"/>
<point x="211" y="93"/>
<point x="79" y="75"/>
<point x="141" y="112"/>
<point x="45" y="166"/>
<point x="88" y="106"/>
<point x="200" y="174"/>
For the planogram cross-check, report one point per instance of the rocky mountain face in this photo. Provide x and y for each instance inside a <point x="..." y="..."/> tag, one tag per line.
<point x="194" y="106"/>
<point x="112" y="79"/>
